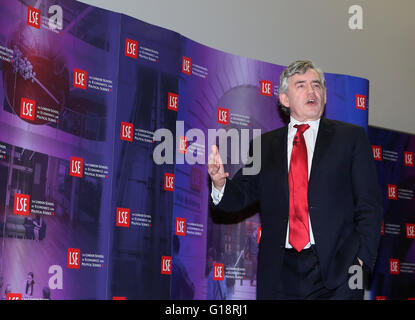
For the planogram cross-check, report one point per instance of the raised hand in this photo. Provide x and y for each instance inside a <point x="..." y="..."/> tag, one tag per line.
<point x="216" y="169"/>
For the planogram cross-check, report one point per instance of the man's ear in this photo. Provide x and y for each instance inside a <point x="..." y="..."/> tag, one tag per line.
<point x="284" y="100"/>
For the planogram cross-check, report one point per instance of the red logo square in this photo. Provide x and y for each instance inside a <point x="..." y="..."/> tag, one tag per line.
<point x="187" y="65"/>
<point x="33" y="17"/>
<point x="361" y="102"/>
<point x="218" y="271"/>
<point x="21" y="204"/>
<point x="165" y="265"/>
<point x="394" y="266"/>
<point x="169" y="182"/>
<point x="76" y="167"/>
<point x="123" y="217"/>
<point x="74" y="258"/>
<point x="183" y="145"/>
<point x="266" y="88"/>
<point x="131" y="48"/>
<point x="392" y="192"/>
<point x="223" y="115"/>
<point x="127" y="130"/>
<point x="173" y="101"/>
<point x="377" y="152"/>
<point x="410" y="230"/>
<point x="180" y="226"/>
<point x="79" y="78"/>
<point x="408" y="158"/>
<point x="27" y="109"/>
<point x="13" y="296"/>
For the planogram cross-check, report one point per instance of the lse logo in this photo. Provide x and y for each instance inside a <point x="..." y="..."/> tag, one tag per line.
<point x="123" y="217"/>
<point x="392" y="192"/>
<point x="14" y="296"/>
<point x="360" y="102"/>
<point x="173" y="101"/>
<point x="223" y="115"/>
<point x="74" y="258"/>
<point x="131" y="48"/>
<point x="377" y="152"/>
<point x="79" y="79"/>
<point x="183" y="145"/>
<point x="218" y="271"/>
<point x="127" y="131"/>
<point x="266" y="88"/>
<point x="393" y="266"/>
<point x="186" y="65"/>
<point x="27" y="109"/>
<point x="165" y="265"/>
<point x="169" y="182"/>
<point x="55" y="17"/>
<point x="410" y="230"/>
<point x="180" y="226"/>
<point x="33" y="17"/>
<point x="21" y="204"/>
<point x="408" y="158"/>
<point x="76" y="167"/>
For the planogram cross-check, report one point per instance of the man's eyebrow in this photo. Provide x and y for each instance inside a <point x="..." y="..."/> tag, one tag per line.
<point x="303" y="81"/>
<point x="299" y="81"/>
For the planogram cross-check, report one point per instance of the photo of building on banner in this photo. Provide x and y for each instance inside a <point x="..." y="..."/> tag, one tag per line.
<point x="57" y="108"/>
<point x="143" y="191"/>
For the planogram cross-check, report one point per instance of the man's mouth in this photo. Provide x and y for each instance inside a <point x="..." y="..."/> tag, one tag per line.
<point x="311" y="101"/>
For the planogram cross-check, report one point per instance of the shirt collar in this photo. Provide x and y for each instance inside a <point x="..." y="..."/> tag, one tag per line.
<point x="312" y="123"/>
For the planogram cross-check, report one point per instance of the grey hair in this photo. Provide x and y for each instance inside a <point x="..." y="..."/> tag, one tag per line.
<point x="300" y="67"/>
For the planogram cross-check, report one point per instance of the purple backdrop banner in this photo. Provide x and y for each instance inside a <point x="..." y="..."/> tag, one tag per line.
<point x="394" y="273"/>
<point x="86" y="211"/>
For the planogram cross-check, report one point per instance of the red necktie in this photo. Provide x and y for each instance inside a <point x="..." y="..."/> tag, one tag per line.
<point x="298" y="183"/>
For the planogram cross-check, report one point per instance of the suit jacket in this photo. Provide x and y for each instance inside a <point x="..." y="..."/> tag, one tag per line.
<point x="344" y="202"/>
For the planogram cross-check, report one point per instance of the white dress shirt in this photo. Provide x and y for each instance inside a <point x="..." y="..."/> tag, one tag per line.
<point x="310" y="137"/>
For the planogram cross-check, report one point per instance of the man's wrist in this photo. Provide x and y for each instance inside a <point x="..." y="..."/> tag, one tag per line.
<point x="217" y="194"/>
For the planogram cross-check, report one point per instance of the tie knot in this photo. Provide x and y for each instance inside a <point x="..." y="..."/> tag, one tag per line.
<point x="301" y="128"/>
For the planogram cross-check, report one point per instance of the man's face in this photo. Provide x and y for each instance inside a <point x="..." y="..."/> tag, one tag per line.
<point x="305" y="96"/>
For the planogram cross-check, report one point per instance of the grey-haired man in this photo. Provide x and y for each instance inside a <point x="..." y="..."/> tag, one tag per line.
<point x="318" y="193"/>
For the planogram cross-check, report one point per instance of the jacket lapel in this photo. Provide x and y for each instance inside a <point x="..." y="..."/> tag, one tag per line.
<point x="280" y="145"/>
<point x="325" y="133"/>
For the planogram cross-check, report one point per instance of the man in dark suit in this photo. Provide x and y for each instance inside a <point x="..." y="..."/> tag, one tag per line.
<point x="320" y="203"/>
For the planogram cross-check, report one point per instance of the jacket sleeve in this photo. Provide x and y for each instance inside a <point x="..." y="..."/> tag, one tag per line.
<point x="368" y="200"/>
<point x="240" y="192"/>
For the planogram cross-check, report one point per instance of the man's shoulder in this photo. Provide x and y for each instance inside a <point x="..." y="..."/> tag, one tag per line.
<point x="340" y="125"/>
<point x="273" y="133"/>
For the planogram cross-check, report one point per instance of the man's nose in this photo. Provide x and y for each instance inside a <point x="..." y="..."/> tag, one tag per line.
<point x="310" y="88"/>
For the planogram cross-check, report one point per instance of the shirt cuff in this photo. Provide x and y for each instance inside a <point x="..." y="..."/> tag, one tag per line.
<point x="216" y="194"/>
